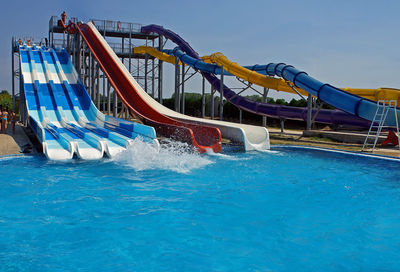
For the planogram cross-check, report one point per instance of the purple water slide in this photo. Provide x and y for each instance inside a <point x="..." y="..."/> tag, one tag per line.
<point x="336" y="117"/>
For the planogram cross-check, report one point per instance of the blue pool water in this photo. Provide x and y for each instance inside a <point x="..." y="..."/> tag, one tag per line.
<point x="287" y="210"/>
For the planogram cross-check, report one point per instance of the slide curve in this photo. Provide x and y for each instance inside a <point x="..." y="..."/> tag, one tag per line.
<point x="272" y="110"/>
<point x="248" y="73"/>
<point x="352" y="104"/>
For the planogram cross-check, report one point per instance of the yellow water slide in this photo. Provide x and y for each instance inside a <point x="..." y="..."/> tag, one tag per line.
<point x="259" y="79"/>
<point x="155" y="53"/>
<point x="266" y="81"/>
<point x="251" y="76"/>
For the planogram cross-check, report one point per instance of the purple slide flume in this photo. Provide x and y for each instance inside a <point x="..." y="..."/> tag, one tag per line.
<point x="337" y="117"/>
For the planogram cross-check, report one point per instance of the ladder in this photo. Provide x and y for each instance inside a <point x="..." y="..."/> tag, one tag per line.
<point x="382" y="110"/>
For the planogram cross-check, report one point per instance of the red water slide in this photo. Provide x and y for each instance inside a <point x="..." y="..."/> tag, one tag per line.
<point x="201" y="137"/>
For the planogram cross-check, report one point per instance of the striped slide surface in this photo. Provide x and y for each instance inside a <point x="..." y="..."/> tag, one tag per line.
<point x="63" y="116"/>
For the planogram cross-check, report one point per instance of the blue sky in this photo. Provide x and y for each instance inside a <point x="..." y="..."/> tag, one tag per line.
<point x="345" y="43"/>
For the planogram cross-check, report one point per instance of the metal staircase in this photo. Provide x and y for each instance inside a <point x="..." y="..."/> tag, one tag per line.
<point x="378" y="123"/>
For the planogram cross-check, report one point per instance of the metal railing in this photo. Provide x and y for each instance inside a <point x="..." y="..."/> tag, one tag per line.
<point x="32" y="40"/>
<point x="59" y="43"/>
<point x="54" y="21"/>
<point x="116" y="26"/>
<point x="117" y="48"/>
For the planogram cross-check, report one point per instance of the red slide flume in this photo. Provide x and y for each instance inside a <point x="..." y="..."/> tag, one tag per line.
<point x="202" y="137"/>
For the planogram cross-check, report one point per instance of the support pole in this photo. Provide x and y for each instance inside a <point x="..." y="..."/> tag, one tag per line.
<point x="130" y="47"/>
<point x="13" y="73"/>
<point x="104" y="93"/>
<point x="83" y="64"/>
<point x="22" y="101"/>
<point x="92" y="78"/>
<point x="152" y="74"/>
<point x="98" y="85"/>
<point x="203" y="97"/>
<point x="212" y="103"/>
<point x="264" y="100"/>
<point x="221" y="95"/>
<point x="160" y="71"/>
<point x="177" y="96"/>
<point x="240" y="116"/>
<point x="309" y="111"/>
<point x="108" y="98"/>
<point x="146" y="62"/>
<point x="137" y="70"/>
<point x="115" y="104"/>
<point x="183" y="90"/>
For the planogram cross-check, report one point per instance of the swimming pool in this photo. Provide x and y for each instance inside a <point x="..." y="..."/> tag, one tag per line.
<point x="291" y="209"/>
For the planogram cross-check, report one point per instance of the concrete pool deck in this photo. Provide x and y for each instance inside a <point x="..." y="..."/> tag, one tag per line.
<point x="341" y="140"/>
<point x="14" y="144"/>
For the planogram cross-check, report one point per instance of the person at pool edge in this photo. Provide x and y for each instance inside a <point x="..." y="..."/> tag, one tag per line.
<point x="4" y="114"/>
<point x="12" y="121"/>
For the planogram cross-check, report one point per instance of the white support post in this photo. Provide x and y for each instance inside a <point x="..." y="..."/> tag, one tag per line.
<point x="221" y="95"/>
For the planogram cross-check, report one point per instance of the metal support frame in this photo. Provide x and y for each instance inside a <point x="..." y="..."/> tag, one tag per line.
<point x="108" y="97"/>
<point x="212" y="102"/>
<point x="115" y="104"/>
<point x="98" y="85"/>
<point x="183" y="90"/>
<point x="104" y="92"/>
<point x="203" y="97"/>
<point x="152" y="75"/>
<point x="264" y="100"/>
<point x="221" y="95"/>
<point x="160" y="71"/>
<point x="177" y="78"/>
<point x="13" y="73"/>
<point x="309" y="111"/>
<point x="87" y="67"/>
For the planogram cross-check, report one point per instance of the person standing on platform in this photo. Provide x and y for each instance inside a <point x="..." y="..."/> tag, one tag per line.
<point x="63" y="17"/>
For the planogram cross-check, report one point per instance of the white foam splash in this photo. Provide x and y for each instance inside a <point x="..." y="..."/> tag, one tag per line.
<point x="270" y="151"/>
<point x="211" y="152"/>
<point x="174" y="156"/>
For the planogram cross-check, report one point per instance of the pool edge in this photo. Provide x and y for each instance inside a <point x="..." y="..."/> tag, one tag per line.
<point x="346" y="152"/>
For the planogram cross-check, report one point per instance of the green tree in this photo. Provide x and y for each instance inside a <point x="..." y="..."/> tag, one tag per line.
<point x="5" y="99"/>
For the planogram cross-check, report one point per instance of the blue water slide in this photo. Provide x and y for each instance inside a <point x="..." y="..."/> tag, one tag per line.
<point x="82" y="112"/>
<point x="54" y="146"/>
<point x="208" y="67"/>
<point x="85" y="108"/>
<point x="85" y="146"/>
<point x="61" y="113"/>
<point x="190" y="57"/>
<point x="353" y="104"/>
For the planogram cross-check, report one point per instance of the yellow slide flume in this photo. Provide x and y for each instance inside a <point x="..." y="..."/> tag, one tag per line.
<point x="269" y="82"/>
<point x="262" y="80"/>
<point x="249" y="75"/>
<point x="376" y="94"/>
<point x="155" y="53"/>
